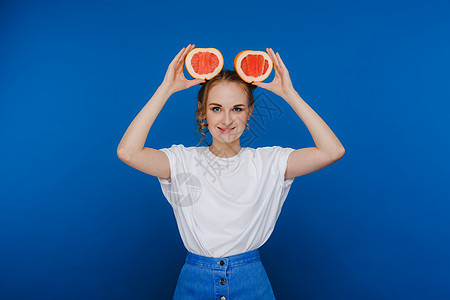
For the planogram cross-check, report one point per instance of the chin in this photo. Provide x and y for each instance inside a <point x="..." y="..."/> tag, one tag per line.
<point x="227" y="138"/>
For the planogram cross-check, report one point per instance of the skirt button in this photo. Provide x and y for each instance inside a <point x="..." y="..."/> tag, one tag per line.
<point x="223" y="298"/>
<point x="222" y="281"/>
<point x="222" y="262"/>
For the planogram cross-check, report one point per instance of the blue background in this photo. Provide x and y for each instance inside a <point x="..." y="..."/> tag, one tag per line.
<point x="78" y="223"/>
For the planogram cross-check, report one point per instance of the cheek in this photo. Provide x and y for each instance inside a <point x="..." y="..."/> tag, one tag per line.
<point x="210" y="117"/>
<point x="240" y="119"/>
<point x="243" y="120"/>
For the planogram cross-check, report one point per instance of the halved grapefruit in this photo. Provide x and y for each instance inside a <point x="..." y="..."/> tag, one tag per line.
<point x="204" y="63"/>
<point x="253" y="65"/>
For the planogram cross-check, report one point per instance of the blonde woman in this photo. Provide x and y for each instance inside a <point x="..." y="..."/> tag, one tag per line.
<point x="226" y="198"/>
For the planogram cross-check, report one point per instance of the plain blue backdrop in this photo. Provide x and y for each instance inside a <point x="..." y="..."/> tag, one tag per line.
<point x="78" y="223"/>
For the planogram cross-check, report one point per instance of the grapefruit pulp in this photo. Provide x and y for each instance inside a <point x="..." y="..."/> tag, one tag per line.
<point x="253" y="65"/>
<point x="204" y="63"/>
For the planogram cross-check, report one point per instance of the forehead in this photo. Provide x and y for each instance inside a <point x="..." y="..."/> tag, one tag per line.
<point x="227" y="94"/>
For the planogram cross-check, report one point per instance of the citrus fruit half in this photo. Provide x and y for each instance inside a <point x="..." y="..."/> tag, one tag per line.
<point x="253" y="65"/>
<point x="204" y="63"/>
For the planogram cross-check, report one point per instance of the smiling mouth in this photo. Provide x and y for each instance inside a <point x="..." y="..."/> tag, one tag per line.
<point x="225" y="130"/>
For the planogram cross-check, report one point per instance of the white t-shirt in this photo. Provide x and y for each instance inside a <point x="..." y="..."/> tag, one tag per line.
<point x="226" y="206"/>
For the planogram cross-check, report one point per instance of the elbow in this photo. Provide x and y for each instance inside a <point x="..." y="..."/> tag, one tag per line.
<point x="122" y="154"/>
<point x="339" y="154"/>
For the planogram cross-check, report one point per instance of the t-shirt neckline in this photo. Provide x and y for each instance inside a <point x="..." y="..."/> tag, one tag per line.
<point x="225" y="158"/>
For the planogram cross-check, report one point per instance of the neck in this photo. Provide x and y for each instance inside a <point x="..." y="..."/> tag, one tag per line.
<point x="225" y="149"/>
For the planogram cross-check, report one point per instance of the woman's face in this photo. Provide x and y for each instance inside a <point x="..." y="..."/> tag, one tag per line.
<point x="227" y="111"/>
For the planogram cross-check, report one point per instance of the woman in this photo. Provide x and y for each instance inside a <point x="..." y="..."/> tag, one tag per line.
<point x="226" y="198"/>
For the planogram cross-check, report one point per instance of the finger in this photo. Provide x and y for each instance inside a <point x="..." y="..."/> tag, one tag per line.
<point x="262" y="85"/>
<point x="177" y="57"/>
<point x="273" y="57"/>
<point x="280" y="66"/>
<point x="183" y="55"/>
<point x="281" y="61"/>
<point x="277" y="57"/>
<point x="196" y="81"/>
<point x="274" y="60"/>
<point x="180" y="55"/>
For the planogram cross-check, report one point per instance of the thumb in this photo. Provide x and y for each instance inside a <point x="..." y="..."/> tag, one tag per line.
<point x="196" y="81"/>
<point x="261" y="84"/>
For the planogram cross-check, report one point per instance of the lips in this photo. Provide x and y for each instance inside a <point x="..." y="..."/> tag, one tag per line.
<point x="225" y="130"/>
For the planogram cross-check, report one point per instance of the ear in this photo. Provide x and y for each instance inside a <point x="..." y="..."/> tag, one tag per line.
<point x="198" y="102"/>
<point x="250" y="112"/>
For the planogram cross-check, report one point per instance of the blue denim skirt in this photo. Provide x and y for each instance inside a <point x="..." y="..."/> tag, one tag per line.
<point x="236" y="277"/>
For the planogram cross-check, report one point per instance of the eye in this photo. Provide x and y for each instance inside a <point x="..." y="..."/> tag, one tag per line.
<point x="213" y="109"/>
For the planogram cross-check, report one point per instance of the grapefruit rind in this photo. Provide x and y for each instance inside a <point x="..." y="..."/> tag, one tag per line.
<point x="210" y="75"/>
<point x="249" y="79"/>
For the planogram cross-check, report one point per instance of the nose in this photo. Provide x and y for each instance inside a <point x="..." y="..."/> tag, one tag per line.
<point x="226" y="119"/>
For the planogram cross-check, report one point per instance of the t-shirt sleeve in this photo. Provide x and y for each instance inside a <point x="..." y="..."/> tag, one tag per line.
<point x="181" y="186"/>
<point x="280" y="163"/>
<point x="173" y="153"/>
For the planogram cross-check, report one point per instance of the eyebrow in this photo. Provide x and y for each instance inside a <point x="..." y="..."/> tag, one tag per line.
<point x="217" y="104"/>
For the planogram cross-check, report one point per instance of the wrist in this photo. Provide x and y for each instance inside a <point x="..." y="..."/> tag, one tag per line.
<point x="164" y="90"/>
<point x="291" y="95"/>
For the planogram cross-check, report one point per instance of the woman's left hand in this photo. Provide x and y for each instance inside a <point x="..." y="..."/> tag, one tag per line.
<point x="281" y="84"/>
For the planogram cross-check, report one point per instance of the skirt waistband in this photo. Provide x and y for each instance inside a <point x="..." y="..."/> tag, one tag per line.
<point x="221" y="262"/>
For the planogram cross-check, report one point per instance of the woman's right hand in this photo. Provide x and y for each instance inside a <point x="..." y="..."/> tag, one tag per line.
<point x="174" y="80"/>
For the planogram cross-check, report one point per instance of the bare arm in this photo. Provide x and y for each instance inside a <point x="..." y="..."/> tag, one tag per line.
<point x="328" y="148"/>
<point x="134" y="138"/>
<point x="131" y="148"/>
<point x="325" y="140"/>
